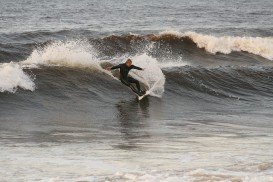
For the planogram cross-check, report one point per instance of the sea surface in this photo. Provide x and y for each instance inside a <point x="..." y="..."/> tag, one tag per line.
<point x="208" y="66"/>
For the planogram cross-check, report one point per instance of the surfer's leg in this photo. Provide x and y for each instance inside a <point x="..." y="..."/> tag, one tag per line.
<point x="132" y="80"/>
<point x="125" y="82"/>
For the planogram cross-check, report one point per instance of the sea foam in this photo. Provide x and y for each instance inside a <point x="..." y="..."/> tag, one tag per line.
<point x="12" y="76"/>
<point x="70" y="54"/>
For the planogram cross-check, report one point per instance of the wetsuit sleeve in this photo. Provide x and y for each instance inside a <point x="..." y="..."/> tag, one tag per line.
<point x="137" y="68"/>
<point x="116" y="67"/>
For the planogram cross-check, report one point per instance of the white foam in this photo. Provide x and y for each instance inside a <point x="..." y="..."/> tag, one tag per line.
<point x="70" y="54"/>
<point x="262" y="46"/>
<point x="12" y="76"/>
<point x="226" y="175"/>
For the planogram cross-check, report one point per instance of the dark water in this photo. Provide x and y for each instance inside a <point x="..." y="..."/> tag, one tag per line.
<point x="208" y="65"/>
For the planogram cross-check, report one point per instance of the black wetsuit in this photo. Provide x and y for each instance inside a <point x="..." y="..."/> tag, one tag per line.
<point x="124" y="78"/>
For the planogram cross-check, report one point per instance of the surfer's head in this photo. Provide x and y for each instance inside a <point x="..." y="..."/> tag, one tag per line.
<point x="128" y="62"/>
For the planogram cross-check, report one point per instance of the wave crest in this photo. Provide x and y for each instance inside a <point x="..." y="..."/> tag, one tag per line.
<point x="71" y="54"/>
<point x="262" y="46"/>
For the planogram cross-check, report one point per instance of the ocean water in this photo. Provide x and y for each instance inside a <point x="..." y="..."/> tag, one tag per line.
<point x="208" y="65"/>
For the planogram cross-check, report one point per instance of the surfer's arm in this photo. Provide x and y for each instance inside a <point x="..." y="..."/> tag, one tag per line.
<point x="115" y="67"/>
<point x="137" y="68"/>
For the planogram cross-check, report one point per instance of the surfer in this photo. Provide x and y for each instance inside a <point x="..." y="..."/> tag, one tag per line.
<point x="124" y="69"/>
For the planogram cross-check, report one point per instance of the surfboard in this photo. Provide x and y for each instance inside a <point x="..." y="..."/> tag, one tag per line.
<point x="133" y="88"/>
<point x="141" y="97"/>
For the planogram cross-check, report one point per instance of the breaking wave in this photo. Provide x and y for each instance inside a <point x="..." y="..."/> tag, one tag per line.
<point x="262" y="46"/>
<point x="168" y="55"/>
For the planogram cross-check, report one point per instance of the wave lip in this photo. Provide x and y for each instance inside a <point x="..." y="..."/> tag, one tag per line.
<point x="12" y="76"/>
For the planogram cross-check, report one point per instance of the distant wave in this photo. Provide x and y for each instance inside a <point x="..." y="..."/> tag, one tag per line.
<point x="255" y="45"/>
<point x="262" y="46"/>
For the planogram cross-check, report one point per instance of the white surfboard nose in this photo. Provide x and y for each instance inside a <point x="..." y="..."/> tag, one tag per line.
<point x="141" y="97"/>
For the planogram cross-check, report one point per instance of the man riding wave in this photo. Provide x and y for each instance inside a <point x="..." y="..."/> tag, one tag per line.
<point x="124" y="69"/>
